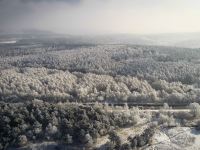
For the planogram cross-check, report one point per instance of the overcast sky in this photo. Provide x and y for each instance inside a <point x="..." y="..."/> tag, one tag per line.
<point x="101" y="16"/>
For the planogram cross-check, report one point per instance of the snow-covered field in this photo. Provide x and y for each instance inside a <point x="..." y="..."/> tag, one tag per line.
<point x="7" y="42"/>
<point x="179" y="138"/>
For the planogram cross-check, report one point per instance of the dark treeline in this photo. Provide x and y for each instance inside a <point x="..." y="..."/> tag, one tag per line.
<point x="70" y="124"/>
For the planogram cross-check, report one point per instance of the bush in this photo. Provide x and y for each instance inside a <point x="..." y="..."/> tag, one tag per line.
<point x="195" y="109"/>
<point x="115" y="139"/>
<point x="143" y="139"/>
<point x="22" y="140"/>
<point x="108" y="146"/>
<point x="125" y="146"/>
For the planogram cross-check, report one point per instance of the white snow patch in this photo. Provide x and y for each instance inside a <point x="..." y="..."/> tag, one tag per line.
<point x="7" y="42"/>
<point x="179" y="138"/>
<point x="160" y="137"/>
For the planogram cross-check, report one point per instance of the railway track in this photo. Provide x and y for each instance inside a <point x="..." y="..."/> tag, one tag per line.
<point x="144" y="105"/>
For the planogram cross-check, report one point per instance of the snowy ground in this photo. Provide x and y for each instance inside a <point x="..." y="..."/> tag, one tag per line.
<point x="179" y="138"/>
<point x="48" y="146"/>
<point x="7" y="42"/>
<point x="124" y="133"/>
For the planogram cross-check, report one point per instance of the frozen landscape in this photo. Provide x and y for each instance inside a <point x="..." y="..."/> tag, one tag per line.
<point x="99" y="75"/>
<point x="56" y="94"/>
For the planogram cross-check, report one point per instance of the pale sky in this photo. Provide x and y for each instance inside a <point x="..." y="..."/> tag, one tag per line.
<point x="101" y="16"/>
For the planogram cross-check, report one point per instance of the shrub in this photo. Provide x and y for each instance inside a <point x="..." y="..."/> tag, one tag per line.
<point x="22" y="140"/>
<point x="143" y="139"/>
<point x="195" y="109"/>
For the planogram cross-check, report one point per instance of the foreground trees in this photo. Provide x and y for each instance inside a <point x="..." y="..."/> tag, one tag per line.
<point x="66" y="123"/>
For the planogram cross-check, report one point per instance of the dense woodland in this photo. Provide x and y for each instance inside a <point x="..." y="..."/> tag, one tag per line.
<point x="148" y="62"/>
<point x="52" y="85"/>
<point x="68" y="123"/>
<point x="47" y="88"/>
<point x="57" y="71"/>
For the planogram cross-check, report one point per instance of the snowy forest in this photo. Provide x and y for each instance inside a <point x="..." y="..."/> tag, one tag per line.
<point x="91" y="95"/>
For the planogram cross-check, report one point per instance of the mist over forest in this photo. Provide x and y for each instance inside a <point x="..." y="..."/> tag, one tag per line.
<point x="99" y="75"/>
<point x="89" y="91"/>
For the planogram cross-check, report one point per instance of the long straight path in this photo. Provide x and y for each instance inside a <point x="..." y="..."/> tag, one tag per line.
<point x="141" y="105"/>
<point x="149" y="110"/>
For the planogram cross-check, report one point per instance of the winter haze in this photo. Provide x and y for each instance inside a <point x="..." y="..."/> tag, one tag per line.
<point x="99" y="74"/>
<point x="101" y="16"/>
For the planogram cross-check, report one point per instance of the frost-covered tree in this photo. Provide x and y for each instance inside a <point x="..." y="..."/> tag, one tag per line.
<point x="195" y="109"/>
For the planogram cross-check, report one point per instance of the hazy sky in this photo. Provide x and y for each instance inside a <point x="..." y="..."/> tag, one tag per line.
<point x="101" y="16"/>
